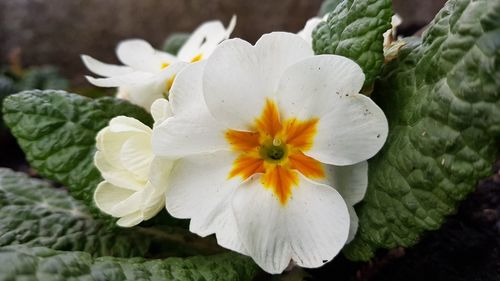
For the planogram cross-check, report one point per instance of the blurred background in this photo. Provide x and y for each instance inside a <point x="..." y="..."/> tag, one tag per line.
<point x="56" y="32"/>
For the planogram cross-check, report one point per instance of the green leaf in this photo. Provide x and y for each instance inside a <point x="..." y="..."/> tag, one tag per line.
<point x="328" y="6"/>
<point x="57" y="130"/>
<point x="35" y="214"/>
<point x="442" y="100"/>
<point x="46" y="264"/>
<point x="354" y="30"/>
<point x="175" y="41"/>
<point x="44" y="77"/>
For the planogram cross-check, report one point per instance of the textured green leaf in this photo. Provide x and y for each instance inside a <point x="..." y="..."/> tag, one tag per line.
<point x="354" y="30"/>
<point x="23" y="263"/>
<point x="57" y="130"/>
<point x="174" y="42"/>
<point x="35" y="214"/>
<point x="442" y="100"/>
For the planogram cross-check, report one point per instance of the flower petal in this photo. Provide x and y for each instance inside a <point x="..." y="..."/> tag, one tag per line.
<point x="353" y="225"/>
<point x="104" y="69"/>
<point x="199" y="189"/>
<point x="311" y="229"/>
<point x="318" y="223"/>
<point x="116" y="174"/>
<point x="140" y="55"/>
<point x="187" y="135"/>
<point x="262" y="225"/>
<point x="115" y="200"/>
<point x="238" y="77"/>
<point x="130" y="220"/>
<point x="313" y="86"/>
<point x="161" y="110"/>
<point x="350" y="181"/>
<point x="136" y="155"/>
<point x="205" y="39"/>
<point x="354" y="130"/>
<point x="186" y="95"/>
<point x="306" y="32"/>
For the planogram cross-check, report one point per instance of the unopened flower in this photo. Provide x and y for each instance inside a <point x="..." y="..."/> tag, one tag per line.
<point x="147" y="73"/>
<point x="259" y="132"/>
<point x="134" y="179"/>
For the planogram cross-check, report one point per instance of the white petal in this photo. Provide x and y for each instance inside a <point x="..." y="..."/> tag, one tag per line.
<point x="139" y="55"/>
<point x="353" y="225"/>
<point x="306" y="32"/>
<point x="104" y="69"/>
<point x="227" y="233"/>
<point x="131" y="78"/>
<point x="186" y="95"/>
<point x="115" y="200"/>
<point x="142" y="88"/>
<point x="313" y="86"/>
<point x="350" y="181"/>
<point x="318" y="223"/>
<point x="238" y="77"/>
<point x="116" y="174"/>
<point x="199" y="189"/>
<point x="205" y="39"/>
<point x="311" y="229"/>
<point x="161" y="110"/>
<point x="130" y="220"/>
<point x="136" y="155"/>
<point x="354" y="130"/>
<point x="188" y="135"/>
<point x="262" y="226"/>
<point x="124" y="124"/>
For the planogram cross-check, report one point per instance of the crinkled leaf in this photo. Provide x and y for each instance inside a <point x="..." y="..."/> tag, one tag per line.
<point x="46" y="264"/>
<point x="174" y="42"/>
<point x="354" y="30"/>
<point x="442" y="100"/>
<point x="57" y="130"/>
<point x="35" y="214"/>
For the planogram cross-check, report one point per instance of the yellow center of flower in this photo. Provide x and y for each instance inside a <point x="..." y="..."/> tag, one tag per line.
<point x="164" y="65"/>
<point x="275" y="148"/>
<point x="197" y="58"/>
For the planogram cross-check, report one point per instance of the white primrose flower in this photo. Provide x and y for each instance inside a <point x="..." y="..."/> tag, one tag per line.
<point x="147" y="73"/>
<point x="134" y="179"/>
<point x="259" y="133"/>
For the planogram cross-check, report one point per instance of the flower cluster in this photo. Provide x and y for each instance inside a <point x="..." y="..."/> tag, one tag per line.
<point x="263" y="145"/>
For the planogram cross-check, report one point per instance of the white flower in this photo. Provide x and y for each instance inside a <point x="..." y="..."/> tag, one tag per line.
<point x="306" y="32"/>
<point x="134" y="179"/>
<point x="259" y="132"/>
<point x="148" y="74"/>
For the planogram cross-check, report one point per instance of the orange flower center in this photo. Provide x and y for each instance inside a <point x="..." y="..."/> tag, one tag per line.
<point x="275" y="148"/>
